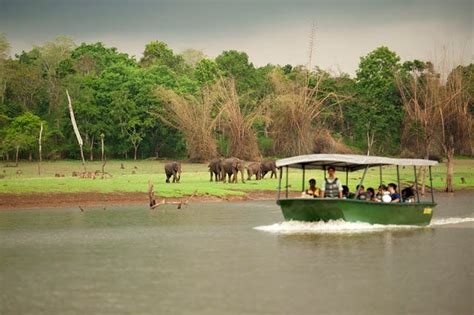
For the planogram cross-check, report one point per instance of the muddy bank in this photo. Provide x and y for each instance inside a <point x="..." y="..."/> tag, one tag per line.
<point x="64" y="200"/>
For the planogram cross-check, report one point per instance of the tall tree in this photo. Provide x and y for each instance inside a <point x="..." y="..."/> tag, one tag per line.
<point x="25" y="85"/>
<point x="51" y="54"/>
<point x="158" y="53"/>
<point x="206" y="72"/>
<point x="22" y="133"/>
<point x="236" y="64"/>
<point x="379" y="113"/>
<point x="92" y="59"/>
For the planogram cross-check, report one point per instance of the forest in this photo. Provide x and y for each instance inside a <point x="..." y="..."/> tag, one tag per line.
<point x="189" y="106"/>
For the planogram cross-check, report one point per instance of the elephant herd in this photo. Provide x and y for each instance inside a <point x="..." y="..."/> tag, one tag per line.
<point x="227" y="170"/>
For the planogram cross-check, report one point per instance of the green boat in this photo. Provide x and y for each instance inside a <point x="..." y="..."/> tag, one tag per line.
<point x="353" y="210"/>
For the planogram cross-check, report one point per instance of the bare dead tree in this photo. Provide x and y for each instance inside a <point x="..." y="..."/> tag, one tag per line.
<point x="102" y="136"/>
<point x="439" y="110"/>
<point x="422" y="96"/>
<point x="39" y="148"/>
<point x="76" y="130"/>
<point x="455" y="121"/>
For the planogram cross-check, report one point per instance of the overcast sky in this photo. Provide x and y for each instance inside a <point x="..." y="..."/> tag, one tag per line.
<point x="269" y="31"/>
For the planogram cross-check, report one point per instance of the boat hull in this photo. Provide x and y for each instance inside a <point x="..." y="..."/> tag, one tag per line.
<point x="357" y="211"/>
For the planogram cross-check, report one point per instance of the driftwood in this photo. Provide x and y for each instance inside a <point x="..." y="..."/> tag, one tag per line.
<point x="154" y="204"/>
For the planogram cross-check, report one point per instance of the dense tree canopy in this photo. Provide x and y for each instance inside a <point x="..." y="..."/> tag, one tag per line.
<point x="165" y="104"/>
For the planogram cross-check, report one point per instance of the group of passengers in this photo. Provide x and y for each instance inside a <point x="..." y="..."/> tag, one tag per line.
<point x="333" y="188"/>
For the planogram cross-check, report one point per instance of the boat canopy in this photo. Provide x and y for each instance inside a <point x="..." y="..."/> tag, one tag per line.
<point x="349" y="162"/>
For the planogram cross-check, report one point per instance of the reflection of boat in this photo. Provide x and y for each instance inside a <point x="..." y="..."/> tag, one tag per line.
<point x="353" y="210"/>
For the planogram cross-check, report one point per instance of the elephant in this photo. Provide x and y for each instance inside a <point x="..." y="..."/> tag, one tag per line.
<point x="254" y="169"/>
<point x="231" y="167"/>
<point x="215" y="168"/>
<point x="267" y="166"/>
<point x="173" y="169"/>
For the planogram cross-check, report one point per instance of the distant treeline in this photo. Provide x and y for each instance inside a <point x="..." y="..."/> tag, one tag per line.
<point x="190" y="106"/>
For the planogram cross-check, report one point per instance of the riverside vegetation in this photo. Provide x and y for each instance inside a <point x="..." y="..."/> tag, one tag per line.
<point x="189" y="106"/>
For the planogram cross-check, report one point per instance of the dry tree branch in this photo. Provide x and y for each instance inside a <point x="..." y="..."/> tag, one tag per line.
<point x="153" y="204"/>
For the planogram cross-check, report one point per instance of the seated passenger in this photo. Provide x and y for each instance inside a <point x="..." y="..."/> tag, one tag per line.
<point x="362" y="195"/>
<point x="380" y="192"/>
<point x="332" y="187"/>
<point x="371" y="194"/>
<point x="383" y="194"/>
<point x="392" y="189"/>
<point x="312" y="191"/>
<point x="346" y="194"/>
<point x="408" y="195"/>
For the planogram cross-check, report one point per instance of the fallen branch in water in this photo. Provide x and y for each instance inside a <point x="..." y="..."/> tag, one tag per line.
<point x="153" y="204"/>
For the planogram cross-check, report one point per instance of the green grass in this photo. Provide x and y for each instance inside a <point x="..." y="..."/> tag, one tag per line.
<point x="135" y="176"/>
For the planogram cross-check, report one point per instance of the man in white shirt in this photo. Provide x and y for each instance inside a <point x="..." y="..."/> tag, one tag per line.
<point x="332" y="187"/>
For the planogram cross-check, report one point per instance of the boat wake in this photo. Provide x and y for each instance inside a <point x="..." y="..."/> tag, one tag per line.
<point x="341" y="226"/>
<point x="446" y="221"/>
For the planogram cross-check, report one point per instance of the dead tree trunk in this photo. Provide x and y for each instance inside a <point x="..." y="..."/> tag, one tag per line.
<point x="39" y="149"/>
<point x="370" y="141"/>
<point x="76" y="130"/>
<point x="91" y="154"/>
<point x="450" y="172"/>
<point x="151" y="194"/>
<point x="135" y="147"/>
<point x="16" y="155"/>
<point x="103" y="153"/>
<point x="449" y="151"/>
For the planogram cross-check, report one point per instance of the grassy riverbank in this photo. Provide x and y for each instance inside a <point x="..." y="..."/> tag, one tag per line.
<point x="135" y="175"/>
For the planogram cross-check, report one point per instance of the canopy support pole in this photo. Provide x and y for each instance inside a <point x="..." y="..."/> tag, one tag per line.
<point x="380" y="171"/>
<point x="398" y="181"/>
<point x="361" y="181"/>
<point x="303" y="166"/>
<point x="416" y="185"/>
<point x="279" y="181"/>
<point x="286" y="194"/>
<point x="431" y="185"/>
<point x="347" y="176"/>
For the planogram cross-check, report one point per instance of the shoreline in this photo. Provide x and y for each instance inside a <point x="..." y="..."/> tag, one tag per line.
<point x="17" y="201"/>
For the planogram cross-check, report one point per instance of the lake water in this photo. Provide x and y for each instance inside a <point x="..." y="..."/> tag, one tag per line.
<point x="232" y="258"/>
